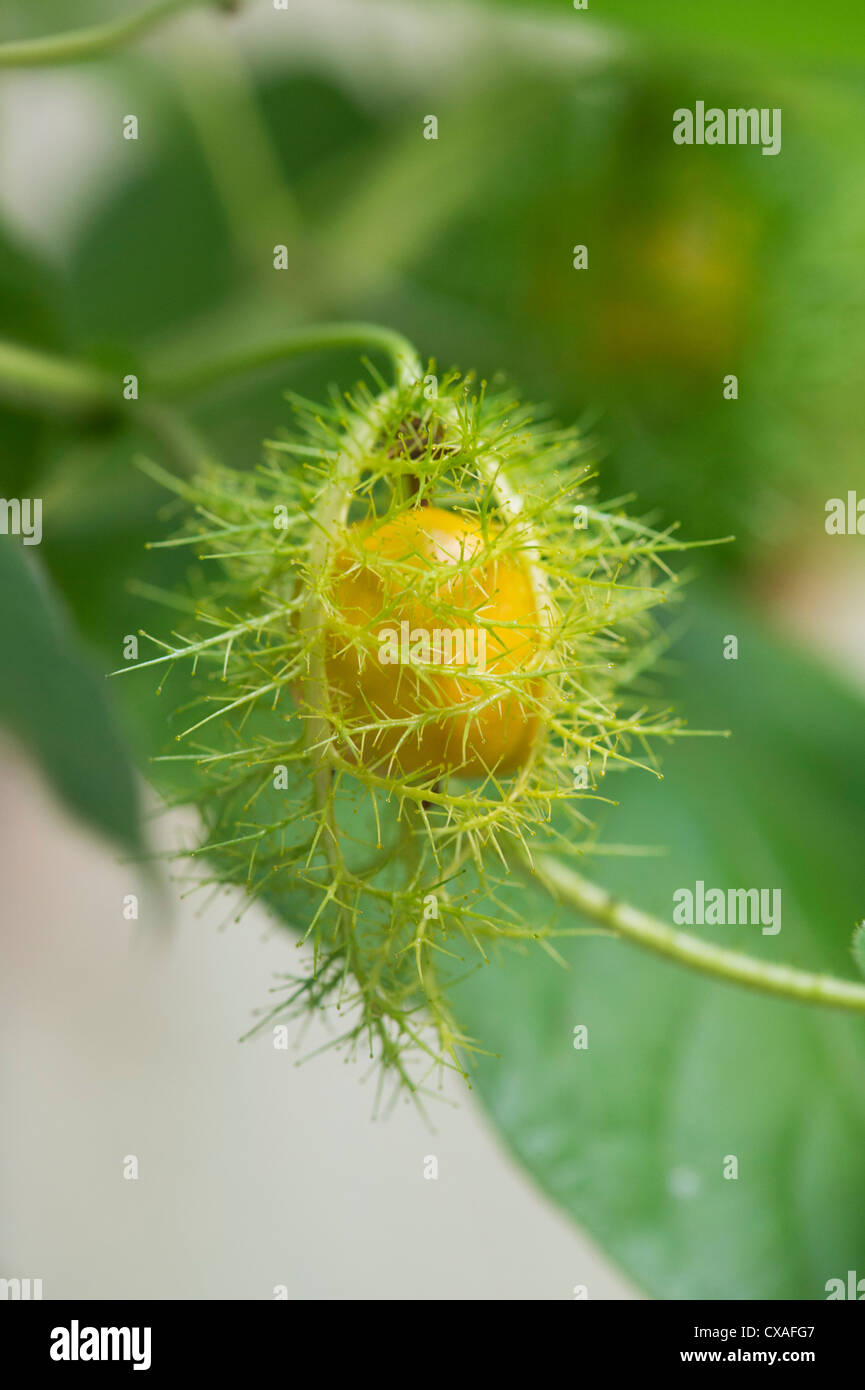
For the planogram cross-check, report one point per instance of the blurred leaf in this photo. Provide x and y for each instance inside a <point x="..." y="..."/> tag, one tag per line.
<point x="157" y="249"/>
<point x="631" y="1135"/>
<point x="702" y="263"/>
<point x="335" y="124"/>
<point x="794" y="28"/>
<point x="55" y="703"/>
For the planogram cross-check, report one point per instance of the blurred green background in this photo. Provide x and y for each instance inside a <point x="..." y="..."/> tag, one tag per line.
<point x="305" y="128"/>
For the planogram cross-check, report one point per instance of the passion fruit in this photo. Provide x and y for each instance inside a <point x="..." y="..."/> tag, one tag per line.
<point x="436" y="635"/>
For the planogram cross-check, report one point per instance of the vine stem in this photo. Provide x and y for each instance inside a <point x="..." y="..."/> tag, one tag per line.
<point x="80" y="44"/>
<point x="327" y="337"/>
<point x="630" y="923"/>
<point x="29" y="376"/>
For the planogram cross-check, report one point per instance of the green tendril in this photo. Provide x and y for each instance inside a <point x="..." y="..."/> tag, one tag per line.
<point x="95" y="41"/>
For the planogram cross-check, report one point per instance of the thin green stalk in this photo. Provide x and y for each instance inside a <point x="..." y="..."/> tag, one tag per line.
<point x="96" y="40"/>
<point x="28" y="375"/>
<point x="31" y="377"/>
<point x="782" y="981"/>
<point x="326" y="337"/>
<point x="217" y="89"/>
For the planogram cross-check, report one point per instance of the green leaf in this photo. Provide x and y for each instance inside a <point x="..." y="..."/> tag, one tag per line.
<point x="55" y="703"/>
<point x="681" y="1074"/>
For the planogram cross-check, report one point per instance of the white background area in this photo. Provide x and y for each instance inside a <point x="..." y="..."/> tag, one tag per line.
<point x="121" y="1038"/>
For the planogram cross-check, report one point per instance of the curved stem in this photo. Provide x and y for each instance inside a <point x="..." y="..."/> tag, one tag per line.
<point x="94" y="41"/>
<point x="782" y="981"/>
<point x="309" y="338"/>
<point x="30" y="375"/>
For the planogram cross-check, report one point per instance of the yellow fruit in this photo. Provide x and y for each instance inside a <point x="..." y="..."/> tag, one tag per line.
<point x="453" y="623"/>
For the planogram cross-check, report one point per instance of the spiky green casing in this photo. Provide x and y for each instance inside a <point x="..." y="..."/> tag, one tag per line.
<point x="401" y="881"/>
